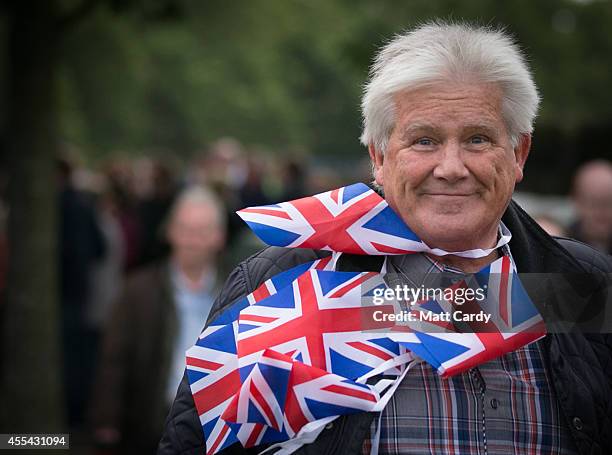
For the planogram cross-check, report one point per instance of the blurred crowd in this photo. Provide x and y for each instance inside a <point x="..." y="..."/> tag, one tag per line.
<point x="145" y="245"/>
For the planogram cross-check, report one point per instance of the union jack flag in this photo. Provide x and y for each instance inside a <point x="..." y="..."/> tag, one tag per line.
<point x="316" y="321"/>
<point x="352" y="219"/>
<point x="514" y="323"/>
<point x="286" y="394"/>
<point x="212" y="367"/>
<point x="317" y="326"/>
<point x="320" y="320"/>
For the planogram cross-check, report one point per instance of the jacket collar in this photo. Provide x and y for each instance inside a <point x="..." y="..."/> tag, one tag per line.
<point x="533" y="250"/>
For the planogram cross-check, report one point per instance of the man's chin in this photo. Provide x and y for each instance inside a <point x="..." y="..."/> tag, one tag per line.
<point x="451" y="241"/>
<point x="450" y="233"/>
<point x="450" y="207"/>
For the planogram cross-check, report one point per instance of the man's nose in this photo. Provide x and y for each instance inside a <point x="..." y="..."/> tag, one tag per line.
<point x="450" y="165"/>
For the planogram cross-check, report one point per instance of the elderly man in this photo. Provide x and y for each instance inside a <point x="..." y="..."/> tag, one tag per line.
<point x="448" y="115"/>
<point x="155" y="321"/>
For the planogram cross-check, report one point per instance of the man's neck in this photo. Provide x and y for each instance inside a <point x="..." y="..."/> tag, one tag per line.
<point x="193" y="275"/>
<point x="472" y="265"/>
<point x="467" y="265"/>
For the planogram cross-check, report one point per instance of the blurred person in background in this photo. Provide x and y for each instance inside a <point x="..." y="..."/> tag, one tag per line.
<point x="592" y="197"/>
<point x="107" y="274"/>
<point x="236" y="177"/>
<point x="157" y="318"/>
<point x="251" y="193"/>
<point x="120" y="178"/>
<point x="152" y="211"/>
<point x="81" y="245"/>
<point x="223" y="168"/>
<point x="293" y="178"/>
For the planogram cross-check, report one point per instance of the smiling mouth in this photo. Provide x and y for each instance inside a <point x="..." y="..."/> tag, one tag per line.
<point x="448" y="194"/>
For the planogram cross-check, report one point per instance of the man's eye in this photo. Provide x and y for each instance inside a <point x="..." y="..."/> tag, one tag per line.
<point x="425" y="141"/>
<point x="479" y="139"/>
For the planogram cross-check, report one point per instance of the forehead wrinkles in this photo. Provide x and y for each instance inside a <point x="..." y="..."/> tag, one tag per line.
<point x="473" y="105"/>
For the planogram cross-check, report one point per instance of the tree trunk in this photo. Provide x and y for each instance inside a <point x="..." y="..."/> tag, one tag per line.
<point x="30" y="368"/>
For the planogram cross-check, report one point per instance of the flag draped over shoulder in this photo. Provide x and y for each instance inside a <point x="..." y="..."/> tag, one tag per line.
<point x="353" y="219"/>
<point x="311" y="344"/>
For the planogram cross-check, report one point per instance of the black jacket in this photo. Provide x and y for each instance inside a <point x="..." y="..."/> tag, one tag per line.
<point x="580" y="365"/>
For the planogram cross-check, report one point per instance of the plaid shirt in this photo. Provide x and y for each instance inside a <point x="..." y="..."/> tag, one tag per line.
<point x="503" y="406"/>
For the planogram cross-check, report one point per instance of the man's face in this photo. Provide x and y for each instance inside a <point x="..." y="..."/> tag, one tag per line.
<point x="593" y="199"/>
<point x="194" y="234"/>
<point x="450" y="169"/>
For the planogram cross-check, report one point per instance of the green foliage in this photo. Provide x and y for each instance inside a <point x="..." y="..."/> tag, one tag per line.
<point x="282" y="74"/>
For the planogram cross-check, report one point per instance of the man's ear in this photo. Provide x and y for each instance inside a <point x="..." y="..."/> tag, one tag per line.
<point x="377" y="159"/>
<point x="521" y="152"/>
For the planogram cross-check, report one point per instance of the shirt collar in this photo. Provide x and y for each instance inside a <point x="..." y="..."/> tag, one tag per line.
<point x="504" y="249"/>
<point x="207" y="281"/>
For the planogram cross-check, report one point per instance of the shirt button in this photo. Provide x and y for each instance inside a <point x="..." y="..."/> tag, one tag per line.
<point x="577" y="422"/>
<point x="494" y="403"/>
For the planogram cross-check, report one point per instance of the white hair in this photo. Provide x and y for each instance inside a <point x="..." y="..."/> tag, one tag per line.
<point x="439" y="52"/>
<point x="199" y="195"/>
